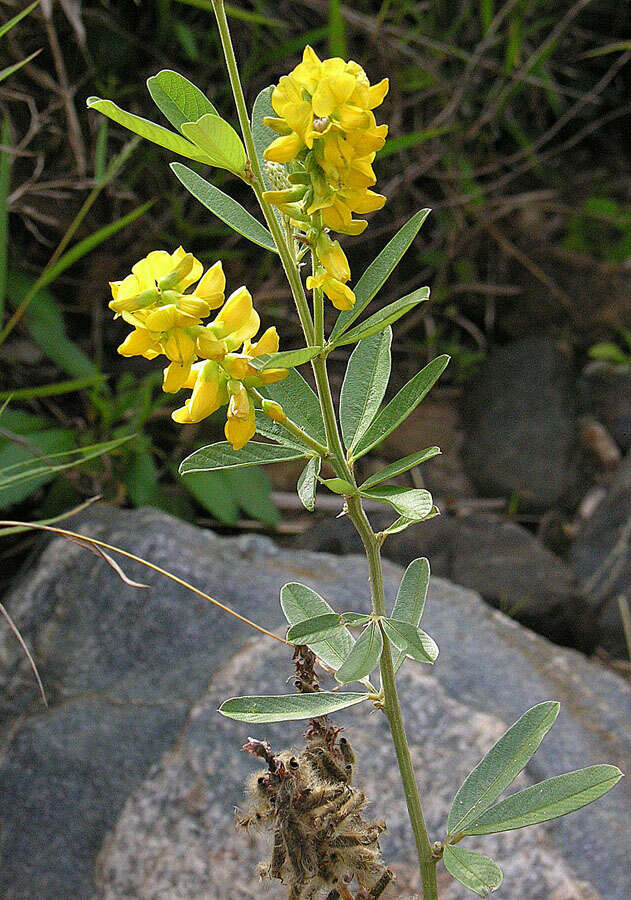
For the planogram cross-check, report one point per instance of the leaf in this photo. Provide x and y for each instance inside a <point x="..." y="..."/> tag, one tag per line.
<point x="364" y="657"/>
<point x="218" y="140"/>
<point x="178" y="99"/>
<point x="308" y="483"/>
<point x="477" y="872"/>
<point x="7" y="26"/>
<point x="312" y="630"/>
<point x="288" y="707"/>
<point x="142" y="480"/>
<point x="411" y="640"/>
<point x="501" y="765"/>
<point x="356" y="620"/>
<point x="385" y="317"/>
<point x="215" y="493"/>
<point x="364" y="385"/>
<point x="253" y="490"/>
<point x="222" y="456"/>
<point x="412" y="593"/>
<point x="224" y="207"/>
<point x="276" y="432"/>
<point x="413" y="503"/>
<point x="400" y="466"/>
<point x="547" y="800"/>
<point x="26" y="467"/>
<point x="411" y="596"/>
<point x="9" y="70"/>
<point x="379" y="271"/>
<point x="339" y="486"/>
<point x="54" y="389"/>
<point x="299" y="603"/>
<point x="263" y="136"/>
<point x="148" y="130"/>
<point x="299" y="402"/>
<point x="401" y="406"/>
<point x="286" y="359"/>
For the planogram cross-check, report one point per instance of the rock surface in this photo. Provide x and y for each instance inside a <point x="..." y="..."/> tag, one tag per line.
<point x="601" y="559"/>
<point x="520" y="423"/>
<point x="605" y="392"/>
<point x="132" y="764"/>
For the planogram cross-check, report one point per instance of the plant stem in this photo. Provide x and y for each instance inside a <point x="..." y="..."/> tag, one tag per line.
<point x="341" y="465"/>
<point x="289" y="264"/>
<point x="393" y="707"/>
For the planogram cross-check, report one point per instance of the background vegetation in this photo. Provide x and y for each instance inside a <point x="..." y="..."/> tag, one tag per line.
<point x="510" y="119"/>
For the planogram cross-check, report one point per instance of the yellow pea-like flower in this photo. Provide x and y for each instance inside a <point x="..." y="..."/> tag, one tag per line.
<point x="340" y="295"/>
<point x="240" y="423"/>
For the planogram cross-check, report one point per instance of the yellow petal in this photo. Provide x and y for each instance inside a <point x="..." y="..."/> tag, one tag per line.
<point x="378" y="92"/>
<point x="211" y="287"/>
<point x="351" y="117"/>
<point x="277" y="125"/>
<point x="166" y="317"/>
<point x="208" y="347"/>
<point x="271" y="376"/>
<point x="206" y="393"/>
<point x="152" y="268"/>
<point x="237" y="366"/>
<point x="193" y="306"/>
<point x="284" y="149"/>
<point x="140" y="343"/>
<point x="267" y="343"/>
<point x="179" y="346"/>
<point x="333" y="258"/>
<point x="340" y="295"/>
<point x="239" y="430"/>
<point x="176" y="376"/>
<point x="333" y="90"/>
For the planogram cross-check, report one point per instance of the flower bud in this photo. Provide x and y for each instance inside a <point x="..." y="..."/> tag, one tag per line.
<point x="274" y="411"/>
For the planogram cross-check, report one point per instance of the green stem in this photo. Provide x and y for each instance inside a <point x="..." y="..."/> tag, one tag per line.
<point x="289" y="264"/>
<point x="392" y="706"/>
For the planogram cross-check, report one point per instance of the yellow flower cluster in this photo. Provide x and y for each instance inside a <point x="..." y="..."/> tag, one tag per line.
<point x="202" y="357"/>
<point x="329" y="135"/>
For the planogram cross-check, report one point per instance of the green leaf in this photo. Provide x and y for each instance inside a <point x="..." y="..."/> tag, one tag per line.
<point x="401" y="406"/>
<point x="148" y="130"/>
<point x="9" y="70"/>
<point x="411" y="640"/>
<point x="253" y="491"/>
<point x="222" y="456"/>
<point x="477" y="872"/>
<point x="400" y="467"/>
<point x="385" y="317"/>
<point x="46" y="324"/>
<point x="263" y="136"/>
<point x="364" y="385"/>
<point x="215" y="493"/>
<point x="402" y="523"/>
<point x="364" y="657"/>
<point x="141" y="480"/>
<point x="275" y="432"/>
<point x="547" y="800"/>
<point x="54" y="389"/>
<point x="379" y="271"/>
<point x="178" y="99"/>
<point x="356" y="620"/>
<point x="7" y="26"/>
<point x="224" y="207"/>
<point x="410" y="600"/>
<point x="412" y="593"/>
<point x="415" y="504"/>
<point x="308" y="483"/>
<point x="285" y="359"/>
<point x="339" y="486"/>
<point x="218" y="140"/>
<point x="501" y="765"/>
<point x="299" y="402"/>
<point x="312" y="630"/>
<point x="288" y="707"/>
<point x="299" y="603"/>
<point x="23" y="469"/>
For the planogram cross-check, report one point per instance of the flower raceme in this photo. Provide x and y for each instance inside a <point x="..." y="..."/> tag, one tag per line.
<point x="213" y="360"/>
<point x="328" y="131"/>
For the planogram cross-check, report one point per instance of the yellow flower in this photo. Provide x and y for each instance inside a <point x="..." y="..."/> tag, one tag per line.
<point x="237" y="322"/>
<point x="326" y="125"/>
<point x="332" y="257"/>
<point x="240" y="424"/>
<point x="340" y="295"/>
<point x="209" y="393"/>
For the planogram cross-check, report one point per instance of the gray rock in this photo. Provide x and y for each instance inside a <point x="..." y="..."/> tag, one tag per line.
<point x="132" y="747"/>
<point x="601" y="559"/>
<point x="520" y="423"/>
